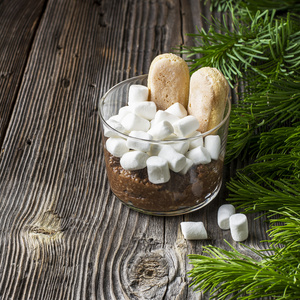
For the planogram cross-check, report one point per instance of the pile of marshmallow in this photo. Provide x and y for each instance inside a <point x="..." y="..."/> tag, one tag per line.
<point x="227" y="219"/>
<point x="144" y="127"/>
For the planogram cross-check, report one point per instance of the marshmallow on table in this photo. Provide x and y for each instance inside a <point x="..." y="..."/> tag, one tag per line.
<point x="158" y="170"/>
<point x="225" y="211"/>
<point x="199" y="155"/>
<point x="177" y="109"/>
<point x="213" y="145"/>
<point x="116" y="146"/>
<point x="238" y="227"/>
<point x="188" y="165"/>
<point x="176" y="161"/>
<point x="193" y="230"/>
<point x="108" y="132"/>
<point x="137" y="140"/>
<point x="137" y="93"/>
<point x="134" y="160"/>
<point x="161" y="130"/>
<point x="134" y="122"/>
<point x="185" y="126"/>
<point x="146" y="109"/>
<point x="196" y="141"/>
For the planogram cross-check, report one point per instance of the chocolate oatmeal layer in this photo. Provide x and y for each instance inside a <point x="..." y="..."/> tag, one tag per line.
<point x="180" y="192"/>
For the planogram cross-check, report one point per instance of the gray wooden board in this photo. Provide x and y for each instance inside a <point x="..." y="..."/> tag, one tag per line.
<point x="63" y="233"/>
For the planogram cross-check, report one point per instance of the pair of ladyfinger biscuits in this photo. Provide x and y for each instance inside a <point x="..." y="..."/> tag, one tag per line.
<point x="204" y="94"/>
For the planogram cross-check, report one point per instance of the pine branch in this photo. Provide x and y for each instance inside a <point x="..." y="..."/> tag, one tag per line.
<point x="254" y="5"/>
<point x="253" y="197"/>
<point x="273" y="105"/>
<point x="269" y="48"/>
<point x="229" y="273"/>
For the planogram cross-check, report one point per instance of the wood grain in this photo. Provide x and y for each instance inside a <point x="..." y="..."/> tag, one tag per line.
<point x="63" y="233"/>
<point x="19" y="20"/>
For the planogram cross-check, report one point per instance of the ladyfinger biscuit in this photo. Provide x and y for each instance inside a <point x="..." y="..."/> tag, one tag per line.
<point x="168" y="81"/>
<point x="208" y="95"/>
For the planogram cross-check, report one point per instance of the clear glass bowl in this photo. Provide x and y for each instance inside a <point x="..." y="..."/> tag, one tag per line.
<point x="182" y="193"/>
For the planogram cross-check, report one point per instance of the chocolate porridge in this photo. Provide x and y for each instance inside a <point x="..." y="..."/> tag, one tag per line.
<point x="180" y="192"/>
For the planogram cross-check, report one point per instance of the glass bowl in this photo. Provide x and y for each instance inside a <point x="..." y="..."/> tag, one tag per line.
<point x="183" y="192"/>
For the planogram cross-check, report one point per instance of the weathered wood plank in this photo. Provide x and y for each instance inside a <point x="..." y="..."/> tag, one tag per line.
<point x="63" y="233"/>
<point x="18" y="23"/>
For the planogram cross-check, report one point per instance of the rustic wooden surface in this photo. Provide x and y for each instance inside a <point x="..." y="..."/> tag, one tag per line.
<point x="63" y="233"/>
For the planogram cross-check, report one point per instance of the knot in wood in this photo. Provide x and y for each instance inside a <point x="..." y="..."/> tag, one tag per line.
<point x="150" y="273"/>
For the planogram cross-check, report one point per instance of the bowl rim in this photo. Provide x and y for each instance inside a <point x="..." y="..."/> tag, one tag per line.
<point x="126" y="136"/>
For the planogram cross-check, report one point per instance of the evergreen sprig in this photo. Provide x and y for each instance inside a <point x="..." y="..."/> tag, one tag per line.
<point x="231" y="274"/>
<point x="269" y="47"/>
<point x="254" y="5"/>
<point x="264" y="124"/>
<point x="268" y="106"/>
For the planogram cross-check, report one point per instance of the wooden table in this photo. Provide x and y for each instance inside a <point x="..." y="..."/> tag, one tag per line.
<point x="63" y="233"/>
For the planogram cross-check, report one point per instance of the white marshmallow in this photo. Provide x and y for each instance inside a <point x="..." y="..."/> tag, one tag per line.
<point x="161" y="130"/>
<point x="115" y="118"/>
<point x="116" y="146"/>
<point x="193" y="230"/>
<point x="199" y="155"/>
<point x="196" y="141"/>
<point x="176" y="161"/>
<point x="154" y="149"/>
<point x="238" y="227"/>
<point x="185" y="126"/>
<point x="158" y="170"/>
<point x="108" y="132"/>
<point x="137" y="93"/>
<point x="162" y="115"/>
<point x="213" y="145"/>
<point x="134" y="122"/>
<point x="134" y="160"/>
<point x="123" y="111"/>
<point x="177" y="109"/>
<point x="225" y="211"/>
<point x="188" y="165"/>
<point x="146" y="109"/>
<point x="180" y="146"/>
<point x="137" y="141"/>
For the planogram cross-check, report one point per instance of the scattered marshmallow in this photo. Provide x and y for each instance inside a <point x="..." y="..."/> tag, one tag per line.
<point x="116" y="146"/>
<point x="199" y="155"/>
<point x="225" y="211"/>
<point x="176" y="161"/>
<point x="213" y="145"/>
<point x="158" y="170"/>
<point x="134" y="160"/>
<point x="134" y="122"/>
<point x="161" y="130"/>
<point x="196" y="141"/>
<point x="239" y="227"/>
<point x="137" y="93"/>
<point x="146" y="109"/>
<point x="137" y="140"/>
<point x="177" y="109"/>
<point x="188" y="164"/>
<point x="193" y="230"/>
<point x="116" y="128"/>
<point x="185" y="126"/>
